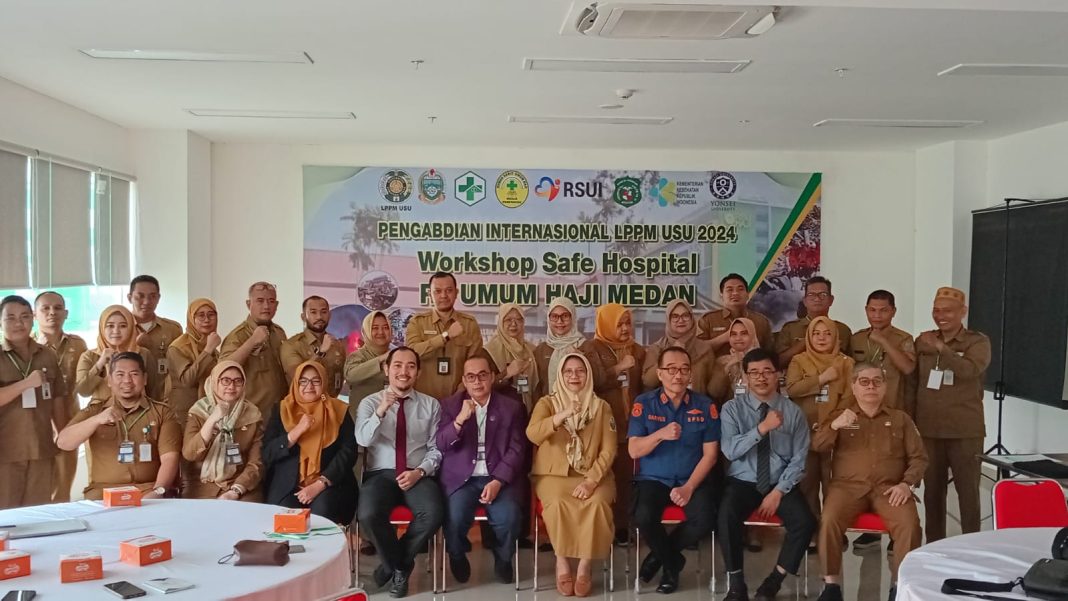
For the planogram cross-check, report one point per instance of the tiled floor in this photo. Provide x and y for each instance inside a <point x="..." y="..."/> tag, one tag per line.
<point x="867" y="576"/>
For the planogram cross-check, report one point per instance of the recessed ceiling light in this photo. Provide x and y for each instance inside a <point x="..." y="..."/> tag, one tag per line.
<point x="590" y="120"/>
<point x="188" y="55"/>
<point x="271" y="114"/>
<point x="902" y="123"/>
<point x="635" y="65"/>
<point x="1006" y="69"/>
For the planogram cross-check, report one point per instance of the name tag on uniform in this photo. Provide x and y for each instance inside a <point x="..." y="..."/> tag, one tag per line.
<point x="233" y="454"/>
<point x="443" y="366"/>
<point x="719" y="328"/>
<point x="29" y="398"/>
<point x="523" y="384"/>
<point x="144" y="452"/>
<point x="824" y="395"/>
<point x="624" y="380"/>
<point x="739" y="388"/>
<point x="161" y="367"/>
<point x="126" y="452"/>
<point x="337" y="382"/>
<point x="430" y="332"/>
<point x="947" y="377"/>
<point x="934" y="379"/>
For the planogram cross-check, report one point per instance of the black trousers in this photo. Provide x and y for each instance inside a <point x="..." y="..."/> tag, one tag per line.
<point x="740" y="500"/>
<point x="379" y="495"/>
<point x="649" y="499"/>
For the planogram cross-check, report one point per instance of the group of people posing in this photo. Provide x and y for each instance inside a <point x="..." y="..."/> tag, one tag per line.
<point x="814" y="424"/>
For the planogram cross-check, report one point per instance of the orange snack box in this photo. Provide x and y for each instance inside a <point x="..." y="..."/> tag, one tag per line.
<point x="14" y="564"/>
<point x="292" y="521"/>
<point x="77" y="567"/>
<point x="145" y="550"/>
<point x="3" y="540"/>
<point x="122" y="496"/>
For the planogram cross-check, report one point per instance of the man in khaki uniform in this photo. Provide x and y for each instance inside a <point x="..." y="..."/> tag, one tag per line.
<point x="315" y="344"/>
<point x="817" y="301"/>
<point x="888" y="348"/>
<point x="155" y="333"/>
<point x="444" y="338"/>
<point x="33" y="399"/>
<point x="50" y="309"/>
<point x="256" y="344"/>
<point x="132" y="440"/>
<point x="879" y="458"/>
<point x="952" y="362"/>
<point x="714" y="325"/>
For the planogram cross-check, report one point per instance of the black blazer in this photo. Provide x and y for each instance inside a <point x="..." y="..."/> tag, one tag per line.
<point x="282" y="462"/>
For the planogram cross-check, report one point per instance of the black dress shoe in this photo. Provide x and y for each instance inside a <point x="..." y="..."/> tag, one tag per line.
<point x="739" y="593"/>
<point x="767" y="589"/>
<point x="831" y="592"/>
<point x="621" y="538"/>
<point x="893" y="593"/>
<point x="526" y="543"/>
<point x="399" y="588"/>
<point x="367" y="548"/>
<point x="382" y="575"/>
<point x="669" y="582"/>
<point x="650" y="566"/>
<point x="504" y="571"/>
<point x="461" y="568"/>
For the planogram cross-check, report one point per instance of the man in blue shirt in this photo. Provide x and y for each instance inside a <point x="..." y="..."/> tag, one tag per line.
<point x="766" y="439"/>
<point x="674" y="436"/>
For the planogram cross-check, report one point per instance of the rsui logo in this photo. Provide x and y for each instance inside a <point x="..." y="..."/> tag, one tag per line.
<point x="550" y="188"/>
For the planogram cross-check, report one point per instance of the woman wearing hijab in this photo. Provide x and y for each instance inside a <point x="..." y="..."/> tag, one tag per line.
<point x="363" y="368"/>
<point x="193" y="355"/>
<point x="616" y="362"/>
<point x="576" y="443"/>
<point x="116" y="333"/>
<point x="680" y="329"/>
<point x="513" y="355"/>
<point x="309" y="449"/>
<point x="562" y="337"/>
<point x="223" y="439"/>
<point x="818" y="381"/>
<point x="726" y="380"/>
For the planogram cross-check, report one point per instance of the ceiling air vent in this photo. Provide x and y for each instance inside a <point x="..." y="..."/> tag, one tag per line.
<point x="672" y="21"/>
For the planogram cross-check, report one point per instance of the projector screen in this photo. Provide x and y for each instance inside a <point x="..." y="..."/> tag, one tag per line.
<point x="1036" y="316"/>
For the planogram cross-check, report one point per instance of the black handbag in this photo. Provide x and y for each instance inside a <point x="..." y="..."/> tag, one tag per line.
<point x="1047" y="579"/>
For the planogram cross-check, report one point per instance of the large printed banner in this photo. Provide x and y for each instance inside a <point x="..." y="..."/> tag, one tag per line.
<point x="374" y="235"/>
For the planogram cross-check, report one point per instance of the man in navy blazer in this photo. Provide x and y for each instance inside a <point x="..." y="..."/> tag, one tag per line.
<point x="482" y="438"/>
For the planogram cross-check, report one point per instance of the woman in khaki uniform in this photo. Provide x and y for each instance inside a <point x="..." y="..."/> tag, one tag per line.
<point x="363" y="367"/>
<point x="193" y="355"/>
<point x="216" y="423"/>
<point x="818" y="380"/>
<point x="116" y="333"/>
<point x="726" y="379"/>
<point x="617" y="361"/>
<point x="681" y="330"/>
<point x="575" y="436"/>
<point x="513" y="355"/>
<point x="561" y="337"/>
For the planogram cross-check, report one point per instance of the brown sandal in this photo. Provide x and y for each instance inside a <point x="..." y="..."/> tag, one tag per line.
<point x="565" y="585"/>
<point x="583" y="585"/>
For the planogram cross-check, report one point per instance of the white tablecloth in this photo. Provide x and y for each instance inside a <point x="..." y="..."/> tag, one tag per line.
<point x="201" y="532"/>
<point x="992" y="556"/>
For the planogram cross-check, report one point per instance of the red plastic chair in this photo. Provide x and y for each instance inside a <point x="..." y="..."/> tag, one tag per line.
<point x="402" y="516"/>
<point x="480" y="516"/>
<point x="869" y="523"/>
<point x="673" y="514"/>
<point x="774" y="521"/>
<point x="609" y="569"/>
<point x="354" y="594"/>
<point x="1027" y="503"/>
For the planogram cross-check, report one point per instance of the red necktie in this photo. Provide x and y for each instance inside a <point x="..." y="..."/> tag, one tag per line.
<point x="401" y="438"/>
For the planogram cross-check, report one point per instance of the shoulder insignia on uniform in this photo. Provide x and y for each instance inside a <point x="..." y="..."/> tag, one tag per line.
<point x="636" y="410"/>
<point x="612" y="423"/>
<point x="712" y="411"/>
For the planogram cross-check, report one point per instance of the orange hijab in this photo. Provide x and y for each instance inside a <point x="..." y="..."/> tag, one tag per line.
<point x="192" y="339"/>
<point x="130" y="344"/>
<point x="608" y="318"/>
<point x="327" y="414"/>
<point x="816" y="362"/>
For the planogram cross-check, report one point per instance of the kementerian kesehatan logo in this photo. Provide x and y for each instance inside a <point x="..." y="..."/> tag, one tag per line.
<point x="722" y="185"/>
<point x="431" y="187"/>
<point x="395" y="186"/>
<point x="512" y="189"/>
<point x="469" y="188"/>
<point x="628" y="191"/>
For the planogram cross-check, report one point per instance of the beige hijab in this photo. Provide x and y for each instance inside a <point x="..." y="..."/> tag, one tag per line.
<point x="504" y="349"/>
<point x="365" y="332"/>
<point x="565" y="344"/>
<point x="589" y="407"/>
<point x="686" y="338"/>
<point x="192" y="339"/>
<point x="242" y="413"/>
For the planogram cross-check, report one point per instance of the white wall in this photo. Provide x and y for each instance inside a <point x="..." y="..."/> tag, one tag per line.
<point x="258" y="209"/>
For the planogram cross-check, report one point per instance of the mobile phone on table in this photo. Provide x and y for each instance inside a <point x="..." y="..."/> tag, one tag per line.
<point x="296" y="549"/>
<point x="125" y="590"/>
<point x="20" y="596"/>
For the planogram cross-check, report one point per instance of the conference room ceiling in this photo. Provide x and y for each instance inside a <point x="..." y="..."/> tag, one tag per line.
<point x="472" y="79"/>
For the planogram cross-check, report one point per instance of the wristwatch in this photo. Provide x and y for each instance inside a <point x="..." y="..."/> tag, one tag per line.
<point x="160" y="490"/>
<point x="421" y="471"/>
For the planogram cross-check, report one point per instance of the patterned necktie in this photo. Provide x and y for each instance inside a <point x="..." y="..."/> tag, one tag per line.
<point x="763" y="482"/>
<point x="401" y="437"/>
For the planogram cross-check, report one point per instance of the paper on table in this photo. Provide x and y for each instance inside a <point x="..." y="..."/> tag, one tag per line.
<point x="1019" y="458"/>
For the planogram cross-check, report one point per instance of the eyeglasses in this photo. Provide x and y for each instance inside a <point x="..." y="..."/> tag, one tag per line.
<point x="306" y="382"/>
<point x="225" y="382"/>
<point x="559" y="317"/>
<point x="482" y="376"/>
<point x="764" y="374"/>
<point x="513" y="321"/>
<point x="681" y="317"/>
<point x="675" y="371"/>
<point x="817" y="295"/>
<point x="574" y="372"/>
<point x="869" y="382"/>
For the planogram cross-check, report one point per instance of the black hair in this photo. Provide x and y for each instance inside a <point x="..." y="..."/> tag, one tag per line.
<point x="389" y="357"/>
<point x="817" y="279"/>
<point x="885" y="295"/>
<point x="671" y="349"/>
<point x="732" y="276"/>
<point x="18" y="300"/>
<point x="439" y="275"/>
<point x="144" y="279"/>
<point x="304" y="305"/>
<point x="127" y="356"/>
<point x="757" y="355"/>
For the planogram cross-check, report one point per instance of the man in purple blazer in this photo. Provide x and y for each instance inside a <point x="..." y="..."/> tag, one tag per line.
<point x="482" y="438"/>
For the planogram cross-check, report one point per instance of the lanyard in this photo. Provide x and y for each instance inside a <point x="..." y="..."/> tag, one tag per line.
<point x="126" y="427"/>
<point x="878" y="355"/>
<point x="29" y="365"/>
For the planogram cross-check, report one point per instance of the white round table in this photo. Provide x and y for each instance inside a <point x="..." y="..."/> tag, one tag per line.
<point x="992" y="556"/>
<point x="201" y="532"/>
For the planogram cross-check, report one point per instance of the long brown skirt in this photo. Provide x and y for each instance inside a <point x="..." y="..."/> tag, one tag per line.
<point x="581" y="528"/>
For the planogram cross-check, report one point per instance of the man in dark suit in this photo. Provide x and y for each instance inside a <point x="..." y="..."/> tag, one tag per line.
<point x="484" y="449"/>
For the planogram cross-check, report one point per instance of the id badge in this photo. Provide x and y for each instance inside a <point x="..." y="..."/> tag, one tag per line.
<point x="337" y="382"/>
<point x="739" y="388"/>
<point x="144" y="452"/>
<point x="624" y="379"/>
<point x="824" y="395"/>
<point x="161" y="367"/>
<point x="523" y="384"/>
<point x="947" y="377"/>
<point x="934" y="379"/>
<point x="126" y="452"/>
<point x="46" y="390"/>
<point x="233" y="454"/>
<point x="29" y="398"/>
<point x="443" y="366"/>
